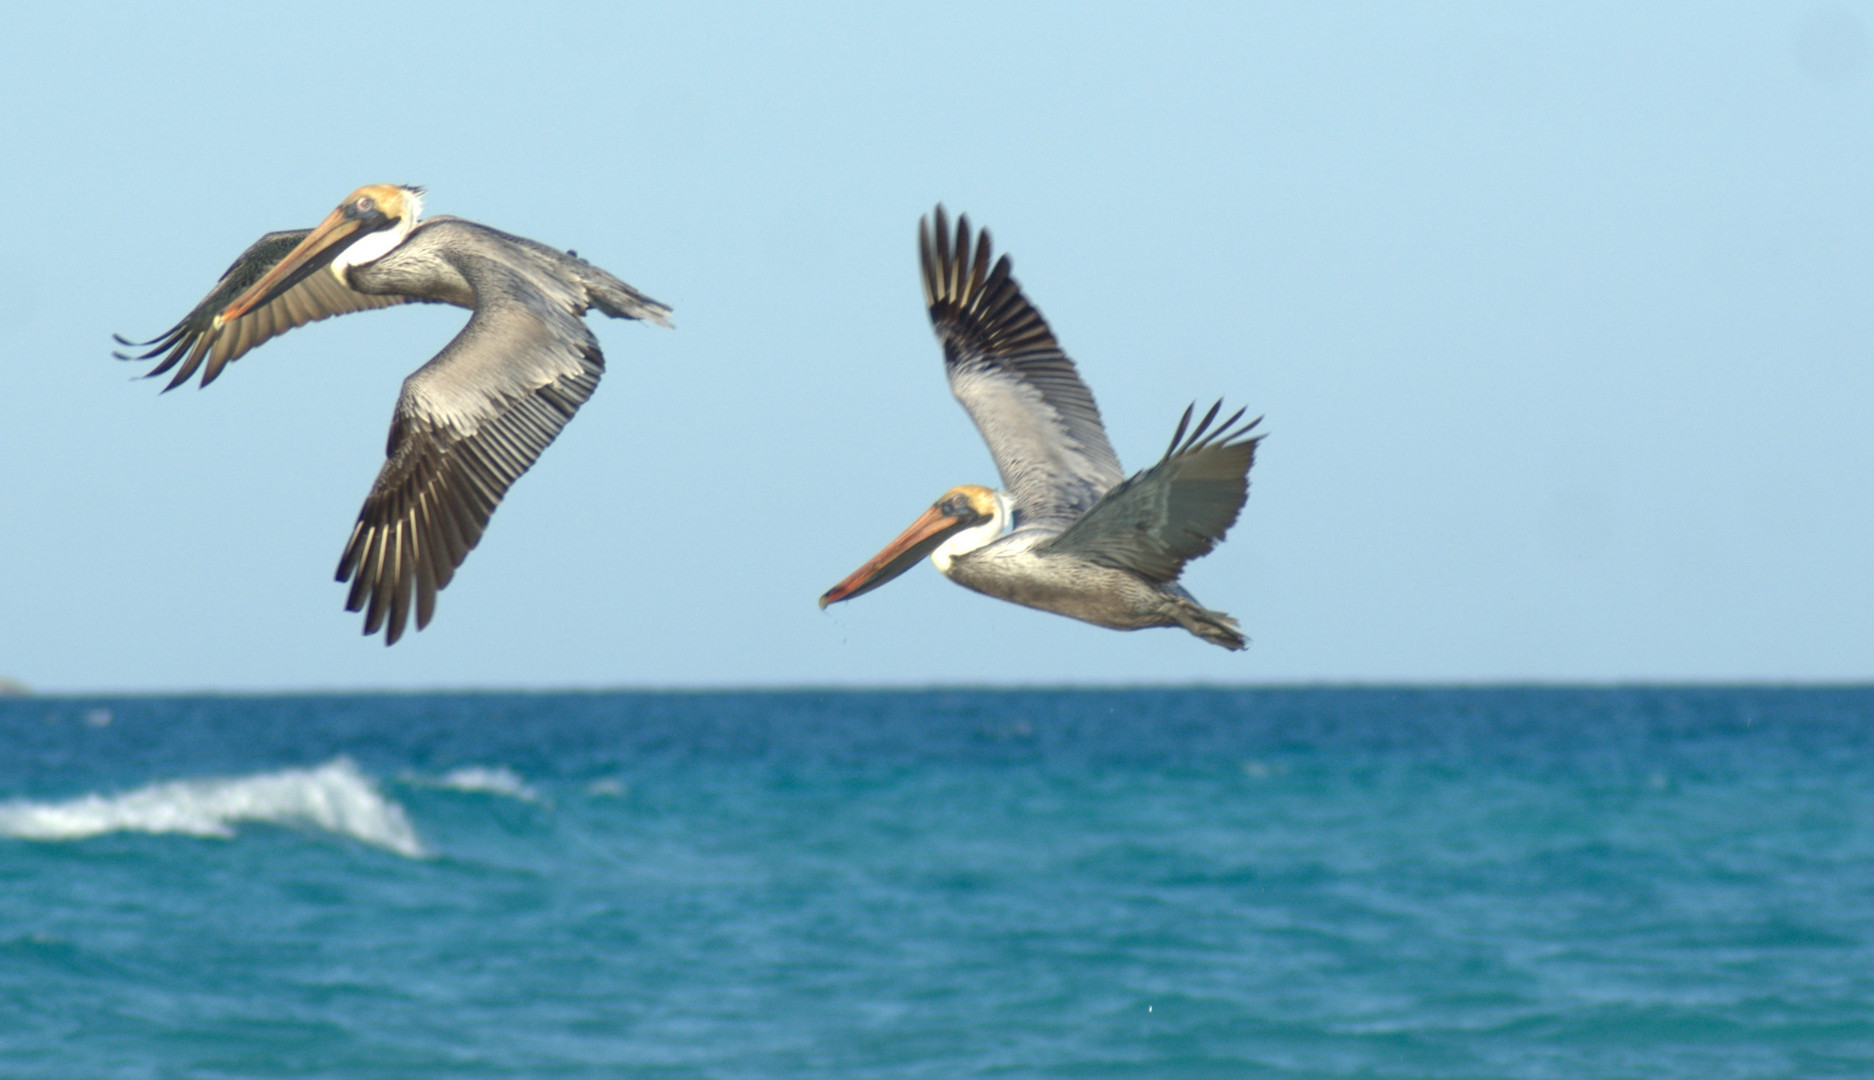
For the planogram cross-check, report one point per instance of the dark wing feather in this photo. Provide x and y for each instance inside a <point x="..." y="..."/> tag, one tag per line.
<point x="467" y="425"/>
<point x="1039" y="419"/>
<point x="1175" y="511"/>
<point x="196" y="339"/>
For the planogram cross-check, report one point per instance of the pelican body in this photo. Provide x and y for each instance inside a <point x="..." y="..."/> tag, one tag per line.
<point x="1069" y="533"/>
<point x="470" y="421"/>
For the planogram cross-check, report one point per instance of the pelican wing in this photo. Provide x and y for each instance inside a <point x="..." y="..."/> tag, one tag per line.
<point x="1039" y="419"/>
<point x="1175" y="511"/>
<point x="467" y="425"/>
<point x="197" y="339"/>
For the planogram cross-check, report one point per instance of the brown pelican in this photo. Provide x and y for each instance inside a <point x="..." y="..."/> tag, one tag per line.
<point x="469" y="422"/>
<point x="1069" y="534"/>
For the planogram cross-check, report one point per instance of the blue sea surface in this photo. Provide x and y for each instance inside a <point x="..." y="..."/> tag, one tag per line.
<point x="1318" y="882"/>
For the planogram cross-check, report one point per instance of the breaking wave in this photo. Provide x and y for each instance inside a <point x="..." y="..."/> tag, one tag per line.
<point x="334" y="797"/>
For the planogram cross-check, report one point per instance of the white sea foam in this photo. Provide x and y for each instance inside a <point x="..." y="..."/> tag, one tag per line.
<point x="499" y="780"/>
<point x="609" y="787"/>
<point x="334" y="797"/>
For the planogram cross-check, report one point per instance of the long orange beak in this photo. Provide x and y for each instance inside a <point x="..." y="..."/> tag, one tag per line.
<point x="313" y="254"/>
<point x="922" y="538"/>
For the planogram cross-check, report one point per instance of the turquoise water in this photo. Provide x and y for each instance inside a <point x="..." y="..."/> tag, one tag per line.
<point x="1559" y="883"/>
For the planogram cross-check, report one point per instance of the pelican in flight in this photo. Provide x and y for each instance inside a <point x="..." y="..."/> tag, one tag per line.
<point x="1070" y="533"/>
<point x="469" y="422"/>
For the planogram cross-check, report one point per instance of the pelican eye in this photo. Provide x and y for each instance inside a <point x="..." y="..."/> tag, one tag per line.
<point x="959" y="506"/>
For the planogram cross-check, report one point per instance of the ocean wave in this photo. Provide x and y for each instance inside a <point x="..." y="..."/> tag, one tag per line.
<point x="334" y="797"/>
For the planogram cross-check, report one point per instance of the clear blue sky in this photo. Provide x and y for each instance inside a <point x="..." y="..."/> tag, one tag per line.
<point x="1562" y="317"/>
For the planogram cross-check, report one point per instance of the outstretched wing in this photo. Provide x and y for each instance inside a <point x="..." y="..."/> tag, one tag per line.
<point x="196" y="338"/>
<point x="1175" y="511"/>
<point x="467" y="425"/>
<point x="1039" y="419"/>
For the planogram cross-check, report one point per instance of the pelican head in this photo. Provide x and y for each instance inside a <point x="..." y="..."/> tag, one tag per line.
<point x="370" y="222"/>
<point x="964" y="519"/>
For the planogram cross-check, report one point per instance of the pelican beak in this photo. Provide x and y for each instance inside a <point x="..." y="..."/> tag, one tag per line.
<point x="922" y="538"/>
<point x="341" y="228"/>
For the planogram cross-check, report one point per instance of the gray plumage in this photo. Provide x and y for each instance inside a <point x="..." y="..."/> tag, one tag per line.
<point x="469" y="422"/>
<point x="1011" y="376"/>
<point x="1084" y="543"/>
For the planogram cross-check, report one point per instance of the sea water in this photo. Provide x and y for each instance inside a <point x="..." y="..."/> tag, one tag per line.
<point x="1330" y="882"/>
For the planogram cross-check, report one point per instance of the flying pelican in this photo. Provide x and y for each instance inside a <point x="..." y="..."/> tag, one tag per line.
<point x="1069" y="534"/>
<point x="469" y="422"/>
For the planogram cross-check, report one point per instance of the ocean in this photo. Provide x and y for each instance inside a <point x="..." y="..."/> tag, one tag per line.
<point x="1372" y="882"/>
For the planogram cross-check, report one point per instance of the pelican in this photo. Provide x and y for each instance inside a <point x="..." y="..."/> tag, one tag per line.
<point x="1069" y="533"/>
<point x="470" y="421"/>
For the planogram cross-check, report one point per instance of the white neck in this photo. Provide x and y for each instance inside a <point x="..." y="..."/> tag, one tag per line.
<point x="375" y="246"/>
<point x="967" y="540"/>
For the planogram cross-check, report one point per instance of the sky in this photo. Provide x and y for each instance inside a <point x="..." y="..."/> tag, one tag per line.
<point x="1561" y="318"/>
